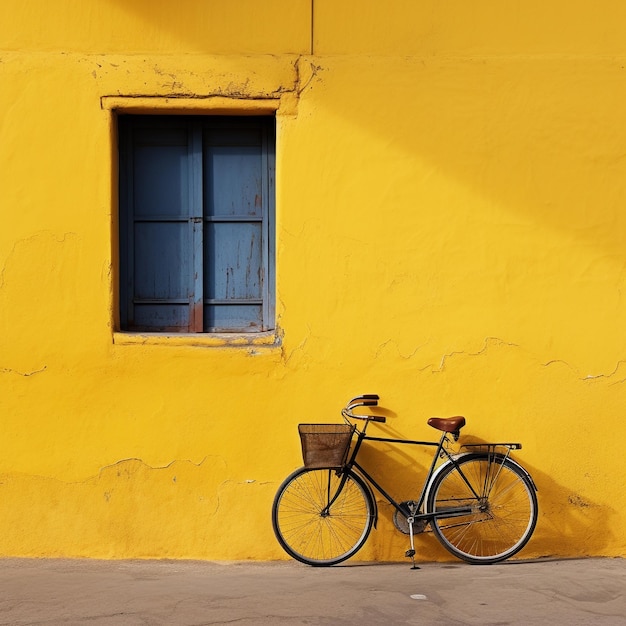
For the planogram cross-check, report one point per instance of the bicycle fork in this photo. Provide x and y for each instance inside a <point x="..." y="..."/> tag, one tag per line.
<point x="325" y="512"/>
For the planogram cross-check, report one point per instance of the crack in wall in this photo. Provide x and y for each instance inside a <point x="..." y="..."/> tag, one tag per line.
<point x="314" y="71"/>
<point x="589" y="377"/>
<point x="56" y="237"/>
<point x="287" y="356"/>
<point x="9" y="370"/>
<point x="169" y="465"/>
<point x="118" y="464"/>
<point x="488" y="342"/>
<point x="305" y="72"/>
<point x="598" y="376"/>
<point x="391" y="342"/>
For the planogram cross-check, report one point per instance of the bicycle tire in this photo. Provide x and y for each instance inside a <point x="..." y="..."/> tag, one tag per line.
<point x="503" y="518"/>
<point x="310" y="536"/>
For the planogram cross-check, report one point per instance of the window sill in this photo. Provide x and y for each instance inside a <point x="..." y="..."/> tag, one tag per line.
<point x="269" y="339"/>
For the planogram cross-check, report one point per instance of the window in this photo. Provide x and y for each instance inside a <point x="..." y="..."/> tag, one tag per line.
<point x="196" y="223"/>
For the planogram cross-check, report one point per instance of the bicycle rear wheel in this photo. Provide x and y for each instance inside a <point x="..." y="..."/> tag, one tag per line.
<point x="309" y="530"/>
<point x="503" y="508"/>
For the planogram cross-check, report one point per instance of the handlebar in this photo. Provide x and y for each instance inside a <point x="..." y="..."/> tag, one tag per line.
<point x="368" y="399"/>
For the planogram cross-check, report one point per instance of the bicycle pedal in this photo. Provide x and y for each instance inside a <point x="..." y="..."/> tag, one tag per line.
<point x="409" y="554"/>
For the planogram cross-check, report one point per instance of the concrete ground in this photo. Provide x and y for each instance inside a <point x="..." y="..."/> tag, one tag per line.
<point x="51" y="591"/>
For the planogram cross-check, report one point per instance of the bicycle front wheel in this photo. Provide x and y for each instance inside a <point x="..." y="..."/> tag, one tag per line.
<point x="502" y="503"/>
<point x="313" y="532"/>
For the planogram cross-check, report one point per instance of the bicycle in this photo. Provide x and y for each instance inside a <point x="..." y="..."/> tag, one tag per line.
<point x="479" y="502"/>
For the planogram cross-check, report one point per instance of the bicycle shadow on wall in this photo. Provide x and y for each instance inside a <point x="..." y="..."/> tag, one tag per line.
<point x="569" y="523"/>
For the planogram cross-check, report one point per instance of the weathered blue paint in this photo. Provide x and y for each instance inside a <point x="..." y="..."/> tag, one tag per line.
<point x="196" y="223"/>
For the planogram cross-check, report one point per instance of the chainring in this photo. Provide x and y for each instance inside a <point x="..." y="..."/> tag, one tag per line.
<point x="401" y="523"/>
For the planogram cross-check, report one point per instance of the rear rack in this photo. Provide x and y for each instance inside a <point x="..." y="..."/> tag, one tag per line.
<point x="492" y="446"/>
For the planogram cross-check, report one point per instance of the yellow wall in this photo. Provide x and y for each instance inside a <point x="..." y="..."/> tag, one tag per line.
<point x="451" y="235"/>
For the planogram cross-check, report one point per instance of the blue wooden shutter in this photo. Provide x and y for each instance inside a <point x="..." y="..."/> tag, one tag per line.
<point x="196" y="223"/>
<point x="238" y="197"/>
<point x="155" y="221"/>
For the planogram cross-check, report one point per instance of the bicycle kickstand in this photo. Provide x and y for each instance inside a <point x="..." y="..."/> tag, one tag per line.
<point x="411" y="553"/>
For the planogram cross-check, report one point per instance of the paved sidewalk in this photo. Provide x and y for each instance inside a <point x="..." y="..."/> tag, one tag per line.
<point x="54" y="591"/>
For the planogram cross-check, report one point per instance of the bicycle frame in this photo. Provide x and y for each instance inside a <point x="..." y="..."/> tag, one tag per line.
<point x="412" y="517"/>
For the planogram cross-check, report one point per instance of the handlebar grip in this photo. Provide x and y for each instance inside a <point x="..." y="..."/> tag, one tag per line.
<point x="366" y="397"/>
<point x="378" y="418"/>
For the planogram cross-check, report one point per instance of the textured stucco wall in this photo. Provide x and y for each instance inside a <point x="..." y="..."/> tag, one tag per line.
<point x="450" y="235"/>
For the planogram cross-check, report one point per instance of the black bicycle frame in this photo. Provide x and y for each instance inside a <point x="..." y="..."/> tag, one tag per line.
<point x="441" y="451"/>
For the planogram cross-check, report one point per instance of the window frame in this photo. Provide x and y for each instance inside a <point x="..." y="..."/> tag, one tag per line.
<point x="197" y="122"/>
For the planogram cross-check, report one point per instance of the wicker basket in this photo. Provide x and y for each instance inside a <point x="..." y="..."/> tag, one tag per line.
<point x="325" y="445"/>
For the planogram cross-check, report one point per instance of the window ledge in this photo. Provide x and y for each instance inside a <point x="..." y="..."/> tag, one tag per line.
<point x="267" y="339"/>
